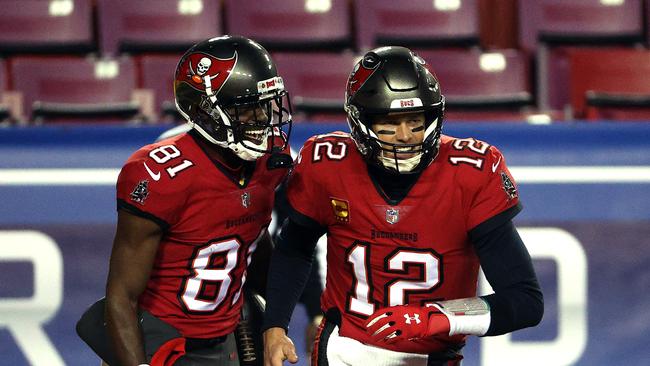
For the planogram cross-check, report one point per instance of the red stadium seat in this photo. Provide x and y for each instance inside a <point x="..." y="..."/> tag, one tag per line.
<point x="485" y="85"/>
<point x="4" y="108"/>
<point x="79" y="89"/>
<point x="413" y="23"/>
<point x="610" y="83"/>
<point x="498" y="24"/>
<point x="316" y="82"/>
<point x="156" y="25"/>
<point x="548" y="25"/>
<point x="580" y="21"/>
<point x="157" y="75"/>
<point x="37" y="26"/>
<point x="291" y="24"/>
<point x="647" y="22"/>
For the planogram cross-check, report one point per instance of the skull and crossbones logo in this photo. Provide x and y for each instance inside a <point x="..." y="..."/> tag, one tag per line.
<point x="201" y="69"/>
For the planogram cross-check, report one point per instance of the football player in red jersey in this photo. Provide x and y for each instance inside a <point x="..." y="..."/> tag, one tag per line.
<point x="193" y="212"/>
<point x="410" y="215"/>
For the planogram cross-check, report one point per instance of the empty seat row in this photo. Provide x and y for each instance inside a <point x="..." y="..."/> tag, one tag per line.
<point x="28" y="26"/>
<point x="496" y="85"/>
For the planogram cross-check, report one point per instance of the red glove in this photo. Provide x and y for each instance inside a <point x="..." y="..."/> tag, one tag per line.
<point x="404" y="322"/>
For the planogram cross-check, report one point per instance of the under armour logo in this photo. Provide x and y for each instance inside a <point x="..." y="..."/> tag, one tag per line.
<point x="415" y="318"/>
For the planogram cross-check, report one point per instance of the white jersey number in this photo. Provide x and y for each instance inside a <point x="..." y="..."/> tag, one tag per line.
<point x="165" y="153"/>
<point x="359" y="300"/>
<point x="204" y="274"/>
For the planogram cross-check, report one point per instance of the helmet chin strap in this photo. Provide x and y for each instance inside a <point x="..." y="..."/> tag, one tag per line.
<point x="403" y="165"/>
<point x="247" y="154"/>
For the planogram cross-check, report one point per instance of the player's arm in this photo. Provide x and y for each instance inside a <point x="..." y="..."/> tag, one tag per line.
<point x="517" y="302"/>
<point x="259" y="266"/>
<point x="134" y="250"/>
<point x="289" y="271"/>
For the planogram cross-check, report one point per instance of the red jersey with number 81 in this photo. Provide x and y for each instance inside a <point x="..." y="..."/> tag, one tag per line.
<point x="383" y="253"/>
<point x="212" y="224"/>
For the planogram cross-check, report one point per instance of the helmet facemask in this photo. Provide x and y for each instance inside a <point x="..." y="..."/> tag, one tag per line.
<point x="387" y="155"/>
<point x="247" y="125"/>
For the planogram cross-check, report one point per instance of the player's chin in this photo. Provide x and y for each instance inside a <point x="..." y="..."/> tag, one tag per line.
<point x="404" y="156"/>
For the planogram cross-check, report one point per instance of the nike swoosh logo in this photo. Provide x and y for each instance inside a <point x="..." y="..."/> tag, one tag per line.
<point x="156" y="176"/>
<point x="495" y="165"/>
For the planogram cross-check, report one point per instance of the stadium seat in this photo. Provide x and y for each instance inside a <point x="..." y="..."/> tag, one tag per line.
<point x="316" y="83"/>
<point x="548" y="25"/>
<point x="4" y="108"/>
<point x="10" y="102"/>
<point x="485" y="85"/>
<point x="647" y="22"/>
<point x="498" y="24"/>
<point x="38" y="26"/>
<point x="580" y="22"/>
<point x="155" y="25"/>
<point x="292" y="24"/>
<point x="157" y="75"/>
<point x="416" y="23"/>
<point x="610" y="83"/>
<point x="67" y="89"/>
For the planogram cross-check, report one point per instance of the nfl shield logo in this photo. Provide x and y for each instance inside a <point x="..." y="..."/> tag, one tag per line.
<point x="392" y="216"/>
<point x="245" y="199"/>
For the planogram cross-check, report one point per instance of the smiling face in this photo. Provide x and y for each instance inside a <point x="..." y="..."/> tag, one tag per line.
<point x="254" y="120"/>
<point x="400" y="128"/>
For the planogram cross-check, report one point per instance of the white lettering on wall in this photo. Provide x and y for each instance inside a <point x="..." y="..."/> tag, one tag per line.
<point x="25" y="317"/>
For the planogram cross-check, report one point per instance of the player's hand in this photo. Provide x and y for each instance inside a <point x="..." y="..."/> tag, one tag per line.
<point x="278" y="347"/>
<point x="404" y="322"/>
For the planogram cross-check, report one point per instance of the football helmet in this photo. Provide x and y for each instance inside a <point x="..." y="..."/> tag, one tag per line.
<point x="229" y="90"/>
<point x="394" y="80"/>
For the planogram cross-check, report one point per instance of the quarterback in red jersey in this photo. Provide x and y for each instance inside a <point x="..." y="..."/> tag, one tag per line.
<point x="193" y="209"/>
<point x="410" y="215"/>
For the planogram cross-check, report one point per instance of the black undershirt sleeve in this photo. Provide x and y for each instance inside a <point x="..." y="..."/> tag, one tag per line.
<point x="310" y="297"/>
<point x="517" y="301"/>
<point x="290" y="267"/>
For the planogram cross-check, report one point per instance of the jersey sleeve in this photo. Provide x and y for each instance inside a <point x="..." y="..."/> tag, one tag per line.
<point x="495" y="196"/>
<point x="304" y="193"/>
<point x="144" y="189"/>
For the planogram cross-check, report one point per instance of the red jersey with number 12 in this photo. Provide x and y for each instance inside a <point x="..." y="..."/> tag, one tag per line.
<point x="212" y="224"/>
<point x="383" y="253"/>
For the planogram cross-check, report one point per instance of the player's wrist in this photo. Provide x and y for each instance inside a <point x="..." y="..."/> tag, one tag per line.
<point x="275" y="331"/>
<point x="470" y="316"/>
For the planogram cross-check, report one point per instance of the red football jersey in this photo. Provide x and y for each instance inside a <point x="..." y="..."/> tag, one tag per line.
<point x="212" y="224"/>
<point x="382" y="253"/>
